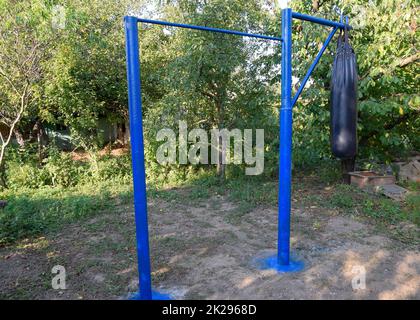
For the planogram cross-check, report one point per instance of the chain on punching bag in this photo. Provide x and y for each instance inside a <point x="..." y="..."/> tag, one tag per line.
<point x="343" y="124"/>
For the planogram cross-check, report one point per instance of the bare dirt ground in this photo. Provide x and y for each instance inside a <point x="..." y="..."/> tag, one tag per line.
<point x="204" y="250"/>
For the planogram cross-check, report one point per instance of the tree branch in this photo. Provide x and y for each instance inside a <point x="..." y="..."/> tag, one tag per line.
<point x="405" y="62"/>
<point x="4" y="75"/>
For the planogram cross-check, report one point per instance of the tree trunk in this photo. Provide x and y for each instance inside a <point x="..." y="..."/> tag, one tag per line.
<point x="221" y="167"/>
<point x="126" y="133"/>
<point x="19" y="138"/>
<point x="123" y="134"/>
<point x="41" y="139"/>
<point x="3" y="183"/>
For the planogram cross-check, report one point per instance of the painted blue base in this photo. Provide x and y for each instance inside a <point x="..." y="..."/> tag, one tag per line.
<point x="270" y="262"/>
<point x="155" y="296"/>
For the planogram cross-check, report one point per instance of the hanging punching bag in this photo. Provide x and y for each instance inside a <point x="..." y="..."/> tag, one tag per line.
<point x="343" y="126"/>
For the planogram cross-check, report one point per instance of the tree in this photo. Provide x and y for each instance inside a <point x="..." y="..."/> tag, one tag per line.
<point x="87" y="75"/>
<point x="211" y="80"/>
<point x="22" y="50"/>
<point x="384" y="39"/>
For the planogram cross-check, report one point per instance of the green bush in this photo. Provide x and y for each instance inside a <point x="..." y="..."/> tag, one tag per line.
<point x="26" y="175"/>
<point x="108" y="168"/>
<point x="58" y="169"/>
<point x="62" y="170"/>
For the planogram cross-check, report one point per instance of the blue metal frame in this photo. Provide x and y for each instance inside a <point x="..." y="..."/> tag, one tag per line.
<point x="188" y="26"/>
<point x="312" y="67"/>
<point x="321" y="21"/>
<point x="281" y="261"/>
<point x="285" y="148"/>
<point x="137" y="155"/>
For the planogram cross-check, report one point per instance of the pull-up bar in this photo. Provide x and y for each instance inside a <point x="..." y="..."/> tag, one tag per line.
<point x="188" y="26"/>
<point x="281" y="261"/>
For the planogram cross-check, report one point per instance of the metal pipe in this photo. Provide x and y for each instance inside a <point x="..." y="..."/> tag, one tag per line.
<point x="321" y="21"/>
<point x="314" y="64"/>
<point x="187" y="26"/>
<point x="285" y="152"/>
<point x="137" y="155"/>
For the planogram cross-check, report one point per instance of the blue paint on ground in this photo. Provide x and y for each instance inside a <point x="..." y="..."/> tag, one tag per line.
<point x="155" y="296"/>
<point x="271" y="262"/>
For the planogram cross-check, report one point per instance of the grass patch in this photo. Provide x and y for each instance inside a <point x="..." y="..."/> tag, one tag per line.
<point x="253" y="191"/>
<point x="343" y="197"/>
<point x="388" y="215"/>
<point x="349" y="199"/>
<point x="34" y="211"/>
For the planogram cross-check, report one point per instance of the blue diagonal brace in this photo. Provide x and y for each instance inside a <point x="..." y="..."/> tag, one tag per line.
<point x="312" y="67"/>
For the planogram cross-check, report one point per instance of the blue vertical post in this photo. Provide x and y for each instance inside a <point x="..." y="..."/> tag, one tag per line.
<point x="285" y="155"/>
<point x="137" y="155"/>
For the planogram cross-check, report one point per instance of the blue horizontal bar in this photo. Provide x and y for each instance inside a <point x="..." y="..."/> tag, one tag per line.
<point x="187" y="26"/>
<point x="322" y="21"/>
<point x="312" y="67"/>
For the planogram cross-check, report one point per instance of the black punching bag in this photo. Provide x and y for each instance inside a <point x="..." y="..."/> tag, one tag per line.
<point x="343" y="126"/>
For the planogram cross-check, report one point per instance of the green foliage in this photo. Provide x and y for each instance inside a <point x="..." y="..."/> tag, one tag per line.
<point x="413" y="211"/>
<point x="384" y="38"/>
<point x="37" y="205"/>
<point x="343" y="198"/>
<point x="350" y="199"/>
<point x="254" y="191"/>
<point x="24" y="48"/>
<point x="86" y="75"/>
<point x="209" y="80"/>
<point x="384" y="210"/>
<point x="59" y="169"/>
<point x="214" y="80"/>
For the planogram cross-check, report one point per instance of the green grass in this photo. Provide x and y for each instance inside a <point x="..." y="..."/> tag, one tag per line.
<point x="31" y="212"/>
<point x="351" y="199"/>
<point x="34" y="211"/>
<point x="413" y="208"/>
